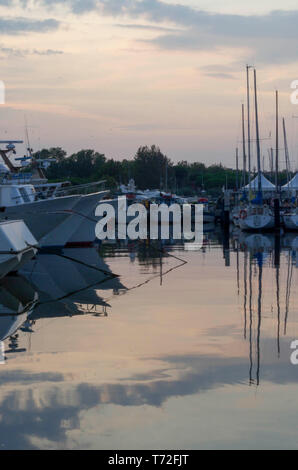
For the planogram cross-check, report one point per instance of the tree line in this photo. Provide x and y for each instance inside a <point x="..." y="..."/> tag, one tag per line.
<point x="150" y="168"/>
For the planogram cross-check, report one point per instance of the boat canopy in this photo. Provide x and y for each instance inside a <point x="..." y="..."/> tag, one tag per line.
<point x="292" y="185"/>
<point x="266" y="184"/>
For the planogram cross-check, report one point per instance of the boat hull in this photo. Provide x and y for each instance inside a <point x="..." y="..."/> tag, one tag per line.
<point x="43" y="217"/>
<point x="257" y="223"/>
<point x="83" y="220"/>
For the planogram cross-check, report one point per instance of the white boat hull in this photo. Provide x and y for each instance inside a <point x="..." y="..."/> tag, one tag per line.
<point x="257" y="222"/>
<point x="83" y="220"/>
<point x="43" y="217"/>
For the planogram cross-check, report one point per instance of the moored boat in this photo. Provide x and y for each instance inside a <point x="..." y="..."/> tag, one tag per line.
<point x="291" y="220"/>
<point x="256" y="218"/>
<point x="17" y="246"/>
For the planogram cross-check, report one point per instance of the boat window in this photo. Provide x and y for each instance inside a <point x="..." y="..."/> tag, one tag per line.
<point x="24" y="194"/>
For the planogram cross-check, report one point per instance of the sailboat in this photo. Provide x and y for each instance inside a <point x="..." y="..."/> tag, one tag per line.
<point x="257" y="216"/>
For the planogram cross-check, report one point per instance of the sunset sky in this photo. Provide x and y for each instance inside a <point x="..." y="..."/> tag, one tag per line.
<point x="113" y="75"/>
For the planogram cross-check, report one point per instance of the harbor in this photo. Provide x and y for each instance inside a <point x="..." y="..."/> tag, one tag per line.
<point x="105" y="340"/>
<point x="148" y="228"/>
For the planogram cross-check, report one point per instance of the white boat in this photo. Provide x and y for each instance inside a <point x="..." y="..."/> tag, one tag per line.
<point x="254" y="218"/>
<point x="54" y="217"/>
<point x="291" y="220"/>
<point x="83" y="220"/>
<point x="17" y="246"/>
<point x="41" y="217"/>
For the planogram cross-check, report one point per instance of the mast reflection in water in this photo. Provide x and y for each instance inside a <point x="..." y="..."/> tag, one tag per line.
<point x="151" y="345"/>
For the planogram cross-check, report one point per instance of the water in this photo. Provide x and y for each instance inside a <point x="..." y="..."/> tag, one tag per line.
<point x="183" y="349"/>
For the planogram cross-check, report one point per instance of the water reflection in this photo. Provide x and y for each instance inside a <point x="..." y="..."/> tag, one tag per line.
<point x="262" y="250"/>
<point x="177" y="331"/>
<point x="17" y="302"/>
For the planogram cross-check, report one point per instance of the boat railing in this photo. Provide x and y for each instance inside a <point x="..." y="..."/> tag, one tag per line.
<point x="81" y="188"/>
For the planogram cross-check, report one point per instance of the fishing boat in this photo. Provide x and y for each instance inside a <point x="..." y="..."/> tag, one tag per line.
<point x="53" y="214"/>
<point x="41" y="217"/>
<point x="17" y="246"/>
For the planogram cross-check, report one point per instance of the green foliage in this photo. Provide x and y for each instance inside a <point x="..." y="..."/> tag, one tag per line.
<point x="55" y="152"/>
<point x="150" y="169"/>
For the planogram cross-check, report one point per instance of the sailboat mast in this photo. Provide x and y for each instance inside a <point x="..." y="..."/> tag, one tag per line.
<point x="244" y="148"/>
<point x="237" y="170"/>
<point x="277" y="144"/>
<point x="257" y="134"/>
<point x="272" y="163"/>
<point x="286" y="153"/>
<point x="248" y="127"/>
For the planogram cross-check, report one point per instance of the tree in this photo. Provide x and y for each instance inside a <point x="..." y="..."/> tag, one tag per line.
<point x="55" y="152"/>
<point x="152" y="168"/>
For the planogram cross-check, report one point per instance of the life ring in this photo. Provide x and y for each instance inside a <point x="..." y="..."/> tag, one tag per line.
<point x="243" y="214"/>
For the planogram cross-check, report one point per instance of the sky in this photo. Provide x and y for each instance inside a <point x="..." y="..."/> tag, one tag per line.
<point x="114" y="75"/>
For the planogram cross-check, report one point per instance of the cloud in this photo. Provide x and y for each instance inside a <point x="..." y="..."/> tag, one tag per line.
<point x="267" y="35"/>
<point x="13" y="26"/>
<point x="266" y="38"/>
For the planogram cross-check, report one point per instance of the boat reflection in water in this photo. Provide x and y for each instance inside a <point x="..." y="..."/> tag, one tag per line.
<point x="54" y="286"/>
<point x="179" y="361"/>
<point x="67" y="282"/>
<point x="262" y="255"/>
<point x="17" y="302"/>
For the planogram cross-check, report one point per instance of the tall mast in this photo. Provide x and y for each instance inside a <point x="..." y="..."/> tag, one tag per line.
<point x="272" y="163"/>
<point x="286" y="153"/>
<point x="244" y="148"/>
<point x="257" y="134"/>
<point x="248" y="126"/>
<point x="237" y="170"/>
<point x="277" y="144"/>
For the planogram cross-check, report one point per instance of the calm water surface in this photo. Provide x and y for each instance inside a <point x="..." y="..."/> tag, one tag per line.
<point x="138" y="346"/>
